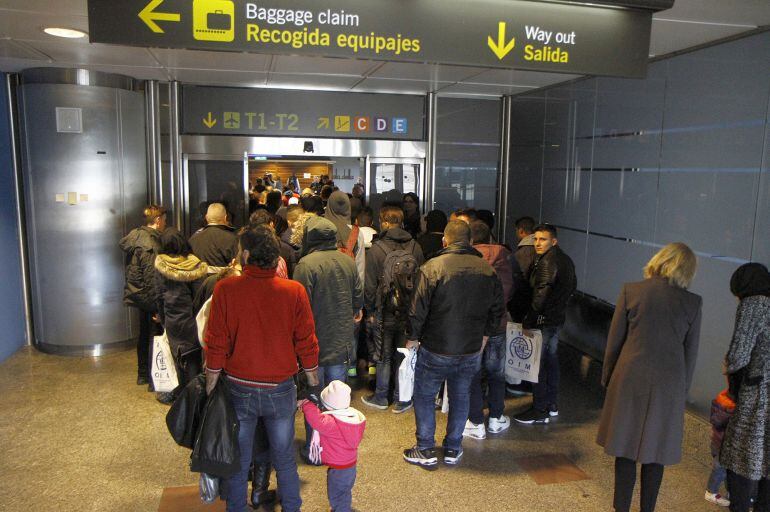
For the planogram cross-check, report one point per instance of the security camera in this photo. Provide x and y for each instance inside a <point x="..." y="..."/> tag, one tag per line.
<point x="308" y="147"/>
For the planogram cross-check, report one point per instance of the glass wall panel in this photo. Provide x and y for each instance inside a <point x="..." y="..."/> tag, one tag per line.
<point x="467" y="153"/>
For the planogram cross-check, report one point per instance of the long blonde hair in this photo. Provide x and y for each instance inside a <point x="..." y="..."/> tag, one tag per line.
<point x="675" y="262"/>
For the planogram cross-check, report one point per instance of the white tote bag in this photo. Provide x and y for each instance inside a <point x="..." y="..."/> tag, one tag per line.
<point x="522" y="355"/>
<point x="406" y="374"/>
<point x="164" y="376"/>
<point x="202" y="321"/>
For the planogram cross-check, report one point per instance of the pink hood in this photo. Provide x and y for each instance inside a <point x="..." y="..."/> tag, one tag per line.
<point x="341" y="432"/>
<point x="500" y="258"/>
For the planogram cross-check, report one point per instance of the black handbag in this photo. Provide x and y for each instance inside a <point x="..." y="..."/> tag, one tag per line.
<point x="184" y="418"/>
<point x="216" y="450"/>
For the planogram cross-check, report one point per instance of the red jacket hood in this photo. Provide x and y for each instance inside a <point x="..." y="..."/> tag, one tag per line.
<point x="351" y="424"/>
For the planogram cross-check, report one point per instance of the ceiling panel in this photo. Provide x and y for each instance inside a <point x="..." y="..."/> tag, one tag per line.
<point x="298" y="81"/>
<point x="425" y="72"/>
<point x="29" y="26"/>
<point x="321" y="65"/>
<point x="386" y="85"/>
<point x="207" y="77"/>
<point x="739" y="12"/>
<point x="482" y="89"/>
<point x="670" y="36"/>
<point x="71" y="7"/>
<point x="227" y="61"/>
<point x="13" y="50"/>
<point x="85" y="53"/>
<point x="518" y="77"/>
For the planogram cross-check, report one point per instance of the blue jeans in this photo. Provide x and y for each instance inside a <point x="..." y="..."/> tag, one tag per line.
<point x="326" y="374"/>
<point x="717" y="476"/>
<point x="545" y="392"/>
<point x="276" y="407"/>
<point x="339" y="488"/>
<point x="493" y="363"/>
<point x="431" y="371"/>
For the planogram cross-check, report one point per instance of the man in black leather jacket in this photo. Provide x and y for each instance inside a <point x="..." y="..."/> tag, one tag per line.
<point x="553" y="283"/>
<point x="457" y="305"/>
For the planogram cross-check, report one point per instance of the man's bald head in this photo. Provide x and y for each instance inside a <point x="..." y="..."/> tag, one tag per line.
<point x="216" y="214"/>
<point x="457" y="232"/>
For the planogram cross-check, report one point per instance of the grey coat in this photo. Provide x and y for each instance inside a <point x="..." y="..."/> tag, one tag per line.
<point x="648" y="367"/>
<point x="746" y="446"/>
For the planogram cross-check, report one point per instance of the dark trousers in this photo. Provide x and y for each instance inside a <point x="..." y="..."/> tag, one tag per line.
<point x="493" y="364"/>
<point x="144" y="343"/>
<point x="625" y="480"/>
<point x="339" y="488"/>
<point x="742" y="490"/>
<point x="545" y="392"/>
<point x="393" y="337"/>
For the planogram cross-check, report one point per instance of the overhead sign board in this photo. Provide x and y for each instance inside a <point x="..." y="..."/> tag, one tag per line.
<point x="293" y="113"/>
<point x="513" y="34"/>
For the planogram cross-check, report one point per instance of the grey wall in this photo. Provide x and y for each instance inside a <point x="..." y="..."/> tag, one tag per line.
<point x="11" y="305"/>
<point x="625" y="166"/>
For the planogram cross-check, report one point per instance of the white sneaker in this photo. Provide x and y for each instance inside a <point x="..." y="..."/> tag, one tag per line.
<point x="474" y="431"/>
<point x="717" y="499"/>
<point x="497" y="425"/>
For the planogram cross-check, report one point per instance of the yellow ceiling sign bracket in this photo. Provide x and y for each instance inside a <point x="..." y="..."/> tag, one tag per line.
<point x="149" y="16"/>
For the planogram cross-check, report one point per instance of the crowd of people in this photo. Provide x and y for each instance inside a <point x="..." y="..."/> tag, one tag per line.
<point x="318" y="288"/>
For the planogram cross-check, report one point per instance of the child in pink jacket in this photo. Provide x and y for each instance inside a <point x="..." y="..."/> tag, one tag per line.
<point x="337" y="432"/>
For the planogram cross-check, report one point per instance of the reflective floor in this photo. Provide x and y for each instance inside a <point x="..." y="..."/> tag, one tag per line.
<point x="78" y="434"/>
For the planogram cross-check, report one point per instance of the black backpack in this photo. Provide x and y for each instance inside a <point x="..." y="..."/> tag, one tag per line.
<point x="398" y="280"/>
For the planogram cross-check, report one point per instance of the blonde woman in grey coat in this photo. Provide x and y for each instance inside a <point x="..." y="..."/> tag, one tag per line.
<point x="648" y="367"/>
<point x="745" y="450"/>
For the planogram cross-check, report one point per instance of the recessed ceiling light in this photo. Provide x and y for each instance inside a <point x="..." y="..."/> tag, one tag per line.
<point x="64" y="32"/>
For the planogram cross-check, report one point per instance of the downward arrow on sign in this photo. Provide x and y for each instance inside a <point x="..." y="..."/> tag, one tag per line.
<point x="210" y="122"/>
<point x="500" y="48"/>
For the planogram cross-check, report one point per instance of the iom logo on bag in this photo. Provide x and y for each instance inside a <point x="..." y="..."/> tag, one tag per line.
<point x="521" y="347"/>
<point x="160" y="362"/>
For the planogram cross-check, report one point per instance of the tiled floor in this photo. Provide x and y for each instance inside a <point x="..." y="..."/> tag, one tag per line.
<point x="79" y="435"/>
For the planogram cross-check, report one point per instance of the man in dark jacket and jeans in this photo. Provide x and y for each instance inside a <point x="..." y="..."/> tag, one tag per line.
<point x="141" y="246"/>
<point x="457" y="305"/>
<point x="553" y="283"/>
<point x="336" y="295"/>
<point x="388" y="327"/>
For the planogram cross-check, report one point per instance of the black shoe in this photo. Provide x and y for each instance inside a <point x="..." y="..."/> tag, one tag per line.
<point x="400" y="407"/>
<point x="377" y="403"/>
<point x="553" y="411"/>
<point x="518" y="390"/>
<point x="142" y="380"/>
<point x="533" y="416"/>
<point x="151" y="387"/>
<point x="260" y="482"/>
<point x="426" y="459"/>
<point x="165" y="398"/>
<point x="452" y="457"/>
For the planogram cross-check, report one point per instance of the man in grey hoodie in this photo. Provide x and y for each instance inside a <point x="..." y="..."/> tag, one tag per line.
<point x="336" y="296"/>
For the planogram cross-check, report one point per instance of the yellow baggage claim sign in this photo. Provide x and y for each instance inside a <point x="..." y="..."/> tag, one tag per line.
<point x="513" y="34"/>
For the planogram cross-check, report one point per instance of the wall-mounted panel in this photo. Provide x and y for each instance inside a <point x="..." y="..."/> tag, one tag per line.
<point x="611" y="263"/>
<point x="623" y="203"/>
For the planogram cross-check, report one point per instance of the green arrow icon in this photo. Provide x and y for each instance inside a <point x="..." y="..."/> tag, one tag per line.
<point x="500" y="48"/>
<point x="149" y="16"/>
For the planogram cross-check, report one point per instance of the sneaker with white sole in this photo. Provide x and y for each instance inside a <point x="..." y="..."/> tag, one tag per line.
<point x="377" y="403"/>
<point x="533" y="416"/>
<point x="553" y="411"/>
<point x="497" y="425"/>
<point x="474" y="431"/>
<point x="426" y="459"/>
<point x="717" y="499"/>
<point x="452" y="457"/>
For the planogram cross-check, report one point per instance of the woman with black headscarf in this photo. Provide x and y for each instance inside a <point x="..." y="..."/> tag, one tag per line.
<point x="338" y="212"/>
<point x="745" y="450"/>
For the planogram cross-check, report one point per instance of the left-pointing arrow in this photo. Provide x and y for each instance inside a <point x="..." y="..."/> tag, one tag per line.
<point x="149" y="16"/>
<point x="210" y="121"/>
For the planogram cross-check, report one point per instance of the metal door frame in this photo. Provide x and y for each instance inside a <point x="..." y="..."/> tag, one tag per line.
<point x="422" y="187"/>
<point x="196" y="157"/>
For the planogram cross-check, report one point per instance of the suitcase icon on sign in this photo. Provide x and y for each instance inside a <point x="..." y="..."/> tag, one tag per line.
<point x="214" y="20"/>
